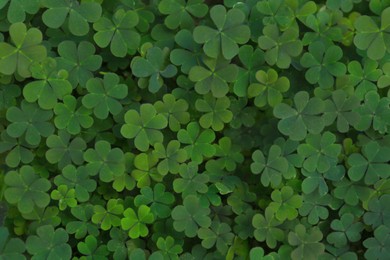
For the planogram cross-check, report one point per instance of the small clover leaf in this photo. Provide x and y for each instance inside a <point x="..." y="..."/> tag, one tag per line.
<point x="378" y="246"/>
<point x="229" y="153"/>
<point x="214" y="76"/>
<point x="270" y="88"/>
<point x="172" y="156"/>
<point x="351" y="192"/>
<point x="345" y="229"/>
<point x="219" y="234"/>
<point x="323" y="63"/>
<point x="216" y="111"/>
<point x="144" y="126"/>
<point x="307" y="242"/>
<point x="103" y="95"/>
<point x="272" y="169"/>
<point x="180" y="12"/>
<point x="30" y="121"/>
<point x="175" y="110"/>
<point x="190" y="216"/>
<point x="169" y="249"/>
<point x="323" y="27"/>
<point x="80" y="15"/>
<point x="49" y="244"/>
<point x="92" y="249"/>
<point x="17" y="151"/>
<point x="191" y="182"/>
<point x="372" y="38"/>
<point x="145" y="169"/>
<point x="372" y="163"/>
<point x="199" y="144"/>
<point x="384" y="80"/>
<point x="378" y="211"/>
<point x="285" y="203"/>
<point x="276" y="12"/>
<point x="153" y="68"/>
<point x="64" y="151"/>
<point x="160" y="201"/>
<point x="10" y="248"/>
<point x="266" y="228"/>
<point x="280" y="48"/>
<point x="136" y="222"/>
<point x="230" y="31"/>
<point x="118" y="33"/>
<point x="315" y="207"/>
<point x="108" y="217"/>
<point x="363" y="79"/>
<point x="65" y="196"/>
<point x="297" y="122"/>
<point x="77" y="179"/>
<point x="320" y="152"/>
<point x="79" y="60"/>
<point x="26" y="189"/>
<point x="25" y="50"/>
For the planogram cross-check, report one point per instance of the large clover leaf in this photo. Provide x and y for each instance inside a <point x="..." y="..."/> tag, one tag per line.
<point x="49" y="244"/>
<point x="229" y="153"/>
<point x="104" y="94"/>
<point x="345" y="229"/>
<point x="378" y="247"/>
<point x="10" y="248"/>
<point x="191" y="182"/>
<point x="108" y="217"/>
<point x="285" y="203"/>
<point x="230" y="31"/>
<point x="372" y="38"/>
<point x="307" y="242"/>
<point x="296" y="123"/>
<point x="144" y="126"/>
<point x="190" y="216"/>
<point x="118" y="33"/>
<point x="172" y="156"/>
<point x="80" y="15"/>
<point x="18" y="9"/>
<point x="315" y="207"/>
<point x="26" y="189"/>
<point x="378" y="211"/>
<point x="25" y="50"/>
<point x="136" y="222"/>
<point x="363" y="79"/>
<point x="219" y="234"/>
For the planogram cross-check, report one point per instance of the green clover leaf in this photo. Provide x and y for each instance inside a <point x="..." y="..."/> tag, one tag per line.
<point x="136" y="222"/>
<point x="81" y="225"/>
<point x="108" y="217"/>
<point x="307" y="242"/>
<point x="168" y="247"/>
<point x="79" y="15"/>
<point x="323" y="28"/>
<point x="172" y="156"/>
<point x="305" y="117"/>
<point x="144" y="126"/>
<point x="92" y="249"/>
<point x="25" y="50"/>
<point x="363" y="79"/>
<point x="145" y="169"/>
<point x="17" y="151"/>
<point x="229" y="153"/>
<point x="378" y="246"/>
<point x="118" y="33"/>
<point x="190" y="181"/>
<point x="65" y="196"/>
<point x="49" y="244"/>
<point x="345" y="229"/>
<point x="18" y="9"/>
<point x="315" y="207"/>
<point x="26" y="189"/>
<point x="180" y="12"/>
<point x="266" y="228"/>
<point x="219" y="234"/>
<point x="378" y="211"/>
<point x="10" y="248"/>
<point x="285" y="203"/>
<point x="230" y="31"/>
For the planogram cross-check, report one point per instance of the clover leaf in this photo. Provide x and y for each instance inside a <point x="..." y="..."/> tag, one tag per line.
<point x="153" y="68"/>
<point x="136" y="222"/>
<point x="323" y="63"/>
<point x="175" y="110"/>
<point x="307" y="242"/>
<point x="66" y="197"/>
<point x="216" y="112"/>
<point x="50" y="86"/>
<point x="168" y="247"/>
<point x="351" y="192"/>
<point x="79" y="15"/>
<point x="215" y="77"/>
<point x="77" y="179"/>
<point x="18" y="9"/>
<point x="25" y="50"/>
<point x="363" y="78"/>
<point x="199" y="144"/>
<point x="26" y="189"/>
<point x="105" y="161"/>
<point x="172" y="156"/>
<point x="29" y="121"/>
<point x="17" y="151"/>
<point x="144" y="126"/>
<point x="266" y="228"/>
<point x="230" y="31"/>
<point x="180" y="12"/>
<point x="145" y="169"/>
<point x="345" y="229"/>
<point x="378" y="246"/>
<point x="79" y="60"/>
<point x="104" y="94"/>
<point x="159" y="200"/>
<point x="271" y="169"/>
<point x="219" y="234"/>
<point x="270" y="88"/>
<point x="108" y="217"/>
<point x="378" y="211"/>
<point x="191" y="182"/>
<point x="92" y="249"/>
<point x="10" y="248"/>
<point x="276" y="12"/>
<point x="297" y="122"/>
<point x="323" y="27"/>
<point x="118" y="33"/>
<point x="371" y="164"/>
<point x="190" y="216"/>
<point x="63" y="150"/>
<point x="372" y="38"/>
<point x="285" y="203"/>
<point x="229" y="153"/>
<point x="280" y="48"/>
<point x="315" y="207"/>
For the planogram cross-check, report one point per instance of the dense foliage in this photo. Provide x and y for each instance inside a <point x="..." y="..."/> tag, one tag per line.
<point x="184" y="129"/>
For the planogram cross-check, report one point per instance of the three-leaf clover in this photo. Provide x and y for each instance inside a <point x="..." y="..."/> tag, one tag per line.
<point x="26" y="189"/>
<point x="92" y="249"/>
<point x="285" y="203"/>
<point x="191" y="182"/>
<point x="118" y="33"/>
<point x="378" y="246"/>
<point x="144" y="126"/>
<point x="25" y="50"/>
<point x="266" y="228"/>
<point x="10" y="248"/>
<point x="218" y="234"/>
<point x="345" y="229"/>
<point x="168" y="247"/>
<point x="230" y="31"/>
<point x="145" y="169"/>
<point x="17" y="151"/>
<point x="110" y="216"/>
<point x="378" y="211"/>
<point x="136" y="222"/>
<point x="229" y="153"/>
<point x="172" y="156"/>
<point x="65" y="196"/>
<point x="307" y="242"/>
